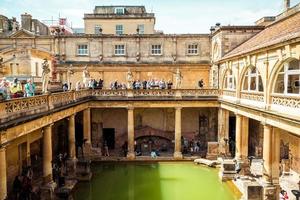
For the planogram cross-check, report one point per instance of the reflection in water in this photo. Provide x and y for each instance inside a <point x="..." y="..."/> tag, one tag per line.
<point x="153" y="181"/>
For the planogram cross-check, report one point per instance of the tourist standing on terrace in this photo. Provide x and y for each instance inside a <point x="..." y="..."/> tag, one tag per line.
<point x="16" y="89"/>
<point x="201" y="83"/>
<point x="29" y="88"/>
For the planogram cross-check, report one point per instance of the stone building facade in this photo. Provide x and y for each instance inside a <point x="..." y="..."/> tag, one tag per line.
<point x="249" y="105"/>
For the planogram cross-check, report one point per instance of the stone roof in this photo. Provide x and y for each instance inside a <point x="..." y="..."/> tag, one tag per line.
<point x="280" y="31"/>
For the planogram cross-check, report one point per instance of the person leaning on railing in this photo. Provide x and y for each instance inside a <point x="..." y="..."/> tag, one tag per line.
<point x="29" y="88"/>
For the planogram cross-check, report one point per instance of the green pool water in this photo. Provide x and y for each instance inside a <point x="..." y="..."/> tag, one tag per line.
<point x="153" y="181"/>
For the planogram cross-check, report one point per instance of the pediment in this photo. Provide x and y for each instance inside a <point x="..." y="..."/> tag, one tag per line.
<point x="22" y="34"/>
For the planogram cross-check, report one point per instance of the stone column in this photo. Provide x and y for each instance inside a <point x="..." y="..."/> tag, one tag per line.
<point x="47" y="154"/>
<point x="223" y="131"/>
<point x="177" y="152"/>
<point x="131" y="153"/>
<point x="271" y="155"/>
<point x="242" y="129"/>
<point x="87" y="131"/>
<point x="71" y="137"/>
<point x="267" y="152"/>
<point x="3" y="176"/>
<point x="244" y="137"/>
<point x="238" y="137"/>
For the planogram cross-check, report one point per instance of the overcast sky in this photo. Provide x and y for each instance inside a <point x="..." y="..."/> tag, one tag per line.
<point x="172" y="16"/>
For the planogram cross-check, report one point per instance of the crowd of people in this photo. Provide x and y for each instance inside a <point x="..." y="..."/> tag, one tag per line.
<point x="146" y="84"/>
<point x="22" y="185"/>
<point x="15" y="89"/>
<point x="92" y="84"/>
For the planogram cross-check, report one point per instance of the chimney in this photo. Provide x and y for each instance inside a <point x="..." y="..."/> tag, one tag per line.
<point x="26" y="21"/>
<point x="287" y="4"/>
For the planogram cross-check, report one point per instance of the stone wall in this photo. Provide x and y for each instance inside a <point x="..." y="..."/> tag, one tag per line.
<point x="255" y="147"/>
<point x="154" y="120"/>
<point x="293" y="144"/>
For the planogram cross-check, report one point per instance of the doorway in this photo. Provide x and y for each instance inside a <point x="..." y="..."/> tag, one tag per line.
<point x="109" y="137"/>
<point x="232" y="122"/>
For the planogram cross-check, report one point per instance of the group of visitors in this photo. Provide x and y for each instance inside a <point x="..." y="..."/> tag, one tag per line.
<point x="192" y="146"/>
<point x="22" y="185"/>
<point x="91" y="84"/>
<point x="15" y="89"/>
<point x="146" y="84"/>
<point x="59" y="167"/>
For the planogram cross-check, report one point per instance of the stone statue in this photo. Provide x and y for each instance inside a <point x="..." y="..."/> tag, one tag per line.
<point x="69" y="74"/>
<point x="86" y="77"/>
<point x="129" y="79"/>
<point x="14" y="25"/>
<point x="45" y="75"/>
<point x="178" y="79"/>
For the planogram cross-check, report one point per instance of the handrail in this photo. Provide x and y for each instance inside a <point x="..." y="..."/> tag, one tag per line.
<point x="25" y="106"/>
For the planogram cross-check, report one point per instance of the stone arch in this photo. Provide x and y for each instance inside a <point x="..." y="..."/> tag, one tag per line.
<point x="275" y="70"/>
<point x="224" y="76"/>
<point x="243" y="75"/>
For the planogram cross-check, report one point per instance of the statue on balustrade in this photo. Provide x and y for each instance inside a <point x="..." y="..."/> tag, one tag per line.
<point x="69" y="74"/>
<point x="45" y="75"/>
<point x="129" y="79"/>
<point x="178" y="79"/>
<point x="86" y="76"/>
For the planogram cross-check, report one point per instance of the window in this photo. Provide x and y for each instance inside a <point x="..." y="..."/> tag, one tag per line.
<point x="288" y="79"/>
<point x="141" y="29"/>
<point x="82" y="50"/>
<point x="253" y="81"/>
<point x="192" y="49"/>
<point x="156" y="49"/>
<point x="229" y="81"/>
<point x="120" y="11"/>
<point x="119" y="29"/>
<point x="98" y="29"/>
<point x="120" y="49"/>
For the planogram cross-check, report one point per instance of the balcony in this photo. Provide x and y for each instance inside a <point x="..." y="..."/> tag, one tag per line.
<point x="33" y="106"/>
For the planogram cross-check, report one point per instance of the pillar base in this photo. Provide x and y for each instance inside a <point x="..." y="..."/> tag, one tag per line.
<point x="178" y="155"/>
<point x="87" y="150"/>
<point x="131" y="155"/>
<point x="47" y="191"/>
<point x="245" y="165"/>
<point x="71" y="167"/>
<point x="271" y="192"/>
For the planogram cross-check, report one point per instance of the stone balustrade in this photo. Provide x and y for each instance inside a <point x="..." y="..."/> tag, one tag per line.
<point x="22" y="107"/>
<point x="286" y="101"/>
<point x="282" y="104"/>
<point x="253" y="96"/>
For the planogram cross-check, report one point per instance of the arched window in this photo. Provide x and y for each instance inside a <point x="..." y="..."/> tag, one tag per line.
<point x="229" y="81"/>
<point x="253" y="81"/>
<point x="288" y="79"/>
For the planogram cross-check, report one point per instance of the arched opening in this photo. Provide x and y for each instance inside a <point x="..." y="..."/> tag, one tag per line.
<point x="252" y="81"/>
<point x="229" y="81"/>
<point x="288" y="78"/>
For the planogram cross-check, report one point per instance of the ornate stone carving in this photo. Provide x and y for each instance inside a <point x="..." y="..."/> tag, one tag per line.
<point x="292" y="102"/>
<point x="253" y="96"/>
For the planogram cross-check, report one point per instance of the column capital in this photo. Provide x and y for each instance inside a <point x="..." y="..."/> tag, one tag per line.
<point x="237" y="114"/>
<point x="130" y="108"/>
<point x="2" y="148"/>
<point x="73" y="115"/>
<point x="48" y="126"/>
<point x="178" y="108"/>
<point x="265" y="124"/>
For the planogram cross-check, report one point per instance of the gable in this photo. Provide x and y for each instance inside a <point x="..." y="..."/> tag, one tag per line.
<point x="22" y="34"/>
